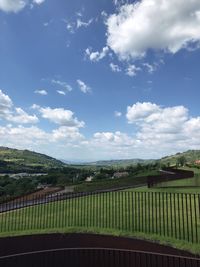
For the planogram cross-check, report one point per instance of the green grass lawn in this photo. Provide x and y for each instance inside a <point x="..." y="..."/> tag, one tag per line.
<point x="172" y="218"/>
<point x="189" y="190"/>
<point x="189" y="182"/>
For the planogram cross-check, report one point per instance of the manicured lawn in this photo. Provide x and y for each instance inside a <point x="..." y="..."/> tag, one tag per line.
<point x="156" y="215"/>
<point x="192" y="190"/>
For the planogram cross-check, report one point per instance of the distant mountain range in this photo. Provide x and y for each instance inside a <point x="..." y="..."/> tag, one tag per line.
<point x="190" y="156"/>
<point x="14" y="160"/>
<point x="120" y="162"/>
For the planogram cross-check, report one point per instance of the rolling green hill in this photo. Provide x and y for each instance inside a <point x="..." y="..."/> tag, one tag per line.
<point x="190" y="156"/>
<point x="14" y="160"/>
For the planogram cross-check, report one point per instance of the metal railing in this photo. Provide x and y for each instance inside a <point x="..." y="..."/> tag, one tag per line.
<point x="174" y="215"/>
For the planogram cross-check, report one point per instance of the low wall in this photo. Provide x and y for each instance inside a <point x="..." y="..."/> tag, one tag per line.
<point x="80" y="250"/>
<point x="169" y="174"/>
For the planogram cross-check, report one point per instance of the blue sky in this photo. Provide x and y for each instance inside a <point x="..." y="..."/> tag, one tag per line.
<point x="88" y="80"/>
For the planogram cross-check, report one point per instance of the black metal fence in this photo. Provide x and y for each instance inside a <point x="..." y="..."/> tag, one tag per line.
<point x="98" y="257"/>
<point x="173" y="215"/>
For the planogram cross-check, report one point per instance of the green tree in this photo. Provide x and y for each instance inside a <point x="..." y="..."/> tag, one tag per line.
<point x="181" y="161"/>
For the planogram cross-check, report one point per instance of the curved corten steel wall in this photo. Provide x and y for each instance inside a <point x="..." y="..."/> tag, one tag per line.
<point x="169" y="174"/>
<point x="85" y="250"/>
<point x="80" y="250"/>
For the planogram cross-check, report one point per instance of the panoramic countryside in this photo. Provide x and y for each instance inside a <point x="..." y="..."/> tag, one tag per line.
<point x="99" y="133"/>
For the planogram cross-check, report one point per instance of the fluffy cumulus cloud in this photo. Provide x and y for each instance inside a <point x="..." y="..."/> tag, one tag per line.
<point x="83" y="87"/>
<point x="59" y="116"/>
<point x="140" y="111"/>
<point x="71" y="134"/>
<point x="164" y="128"/>
<point x="17" y="5"/>
<point x="175" y="23"/>
<point x="11" y="114"/>
<point x="32" y="137"/>
<point x="19" y="136"/>
<point x="5" y="104"/>
<point x="157" y="131"/>
<point x="22" y="117"/>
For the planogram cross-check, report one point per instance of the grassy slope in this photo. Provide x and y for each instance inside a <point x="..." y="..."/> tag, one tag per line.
<point x="190" y="156"/>
<point x="117" y="213"/>
<point x="27" y="158"/>
<point x="193" y="190"/>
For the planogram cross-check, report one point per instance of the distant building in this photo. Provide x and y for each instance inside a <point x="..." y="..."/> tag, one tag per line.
<point x="120" y="174"/>
<point x="197" y="162"/>
<point x="89" y="179"/>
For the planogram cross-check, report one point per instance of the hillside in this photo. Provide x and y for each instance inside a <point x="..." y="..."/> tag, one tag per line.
<point x="190" y="156"/>
<point x="14" y="160"/>
<point x="120" y="163"/>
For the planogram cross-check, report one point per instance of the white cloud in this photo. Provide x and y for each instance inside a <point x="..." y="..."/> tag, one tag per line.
<point x="96" y="56"/>
<point x="80" y="23"/>
<point x="139" y="111"/>
<point x="70" y="27"/>
<point x="150" y="68"/>
<point x="115" y="67"/>
<point x="41" y="92"/>
<point x="61" y="116"/>
<point x="38" y="2"/>
<point x="159" y="131"/>
<point x="66" y="86"/>
<point x="104" y="14"/>
<point x="61" y="142"/>
<point x="22" y="136"/>
<point x="12" y="5"/>
<point x="22" y="117"/>
<point x="160" y="128"/>
<point x="71" y="134"/>
<point x="119" y="2"/>
<point x="114" y="139"/>
<point x="154" y="24"/>
<point x="17" y="115"/>
<point x="60" y="92"/>
<point x="132" y="70"/>
<point x="5" y="104"/>
<point x="83" y="87"/>
<point x="73" y="26"/>
<point x="17" y="5"/>
<point x="118" y="114"/>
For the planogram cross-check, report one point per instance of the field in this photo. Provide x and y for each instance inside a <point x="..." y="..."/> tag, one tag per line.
<point x="167" y="217"/>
